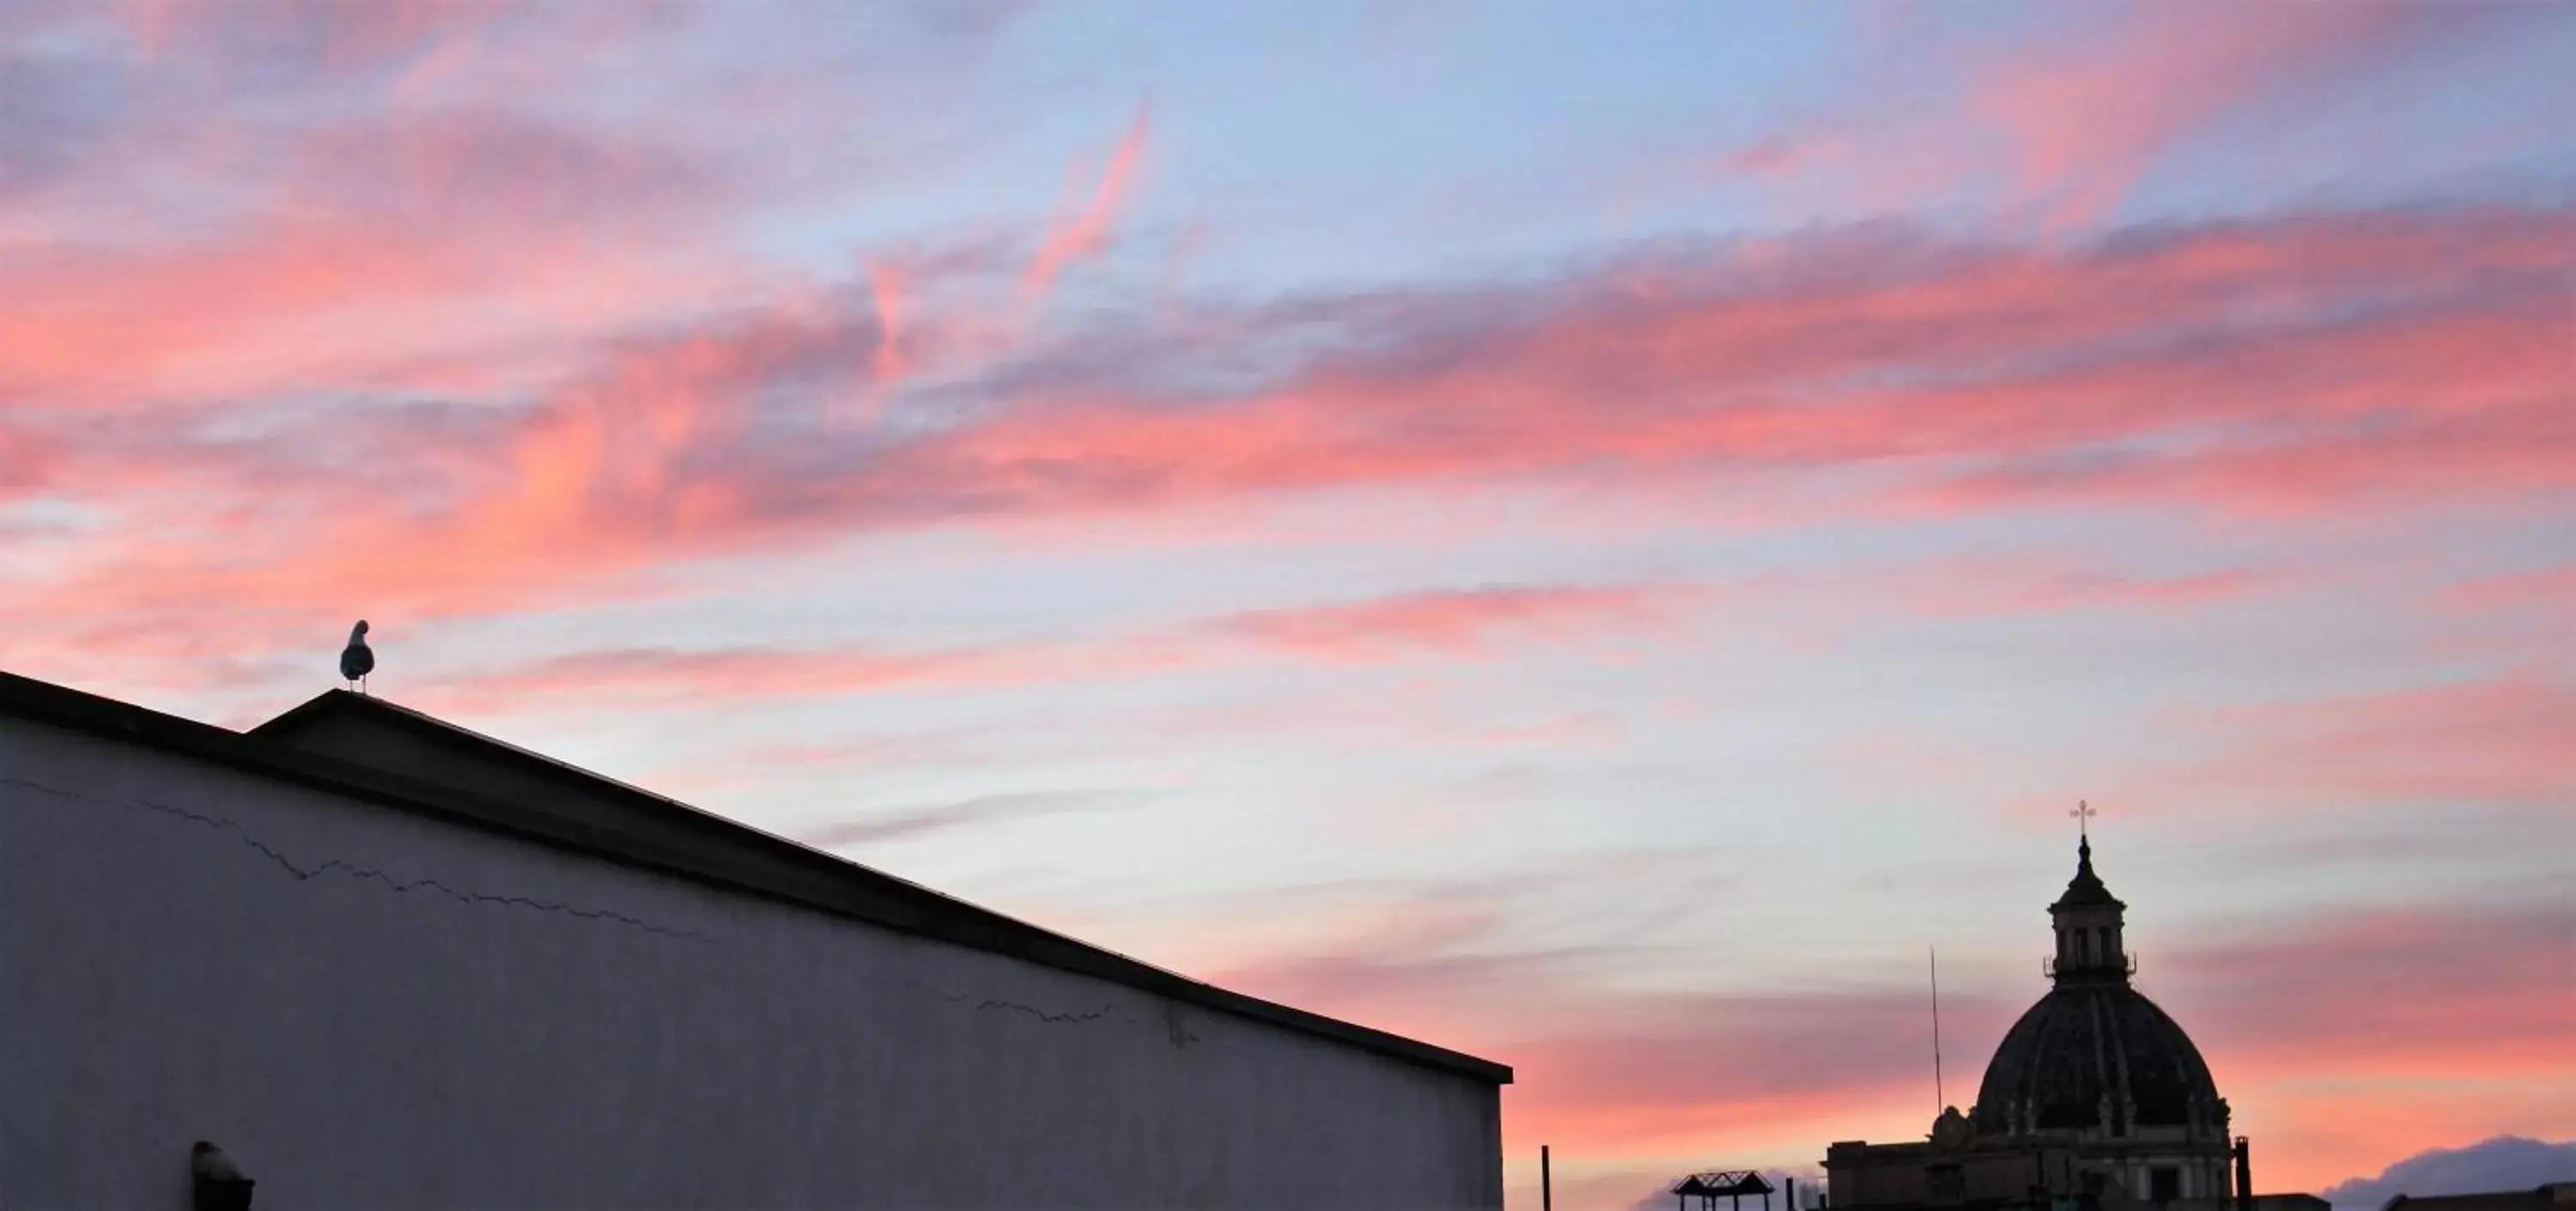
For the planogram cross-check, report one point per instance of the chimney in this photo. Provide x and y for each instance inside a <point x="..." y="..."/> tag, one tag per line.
<point x="2244" y="1174"/>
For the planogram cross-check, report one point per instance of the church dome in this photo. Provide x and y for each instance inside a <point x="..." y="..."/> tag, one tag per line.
<point x="2094" y="1055"/>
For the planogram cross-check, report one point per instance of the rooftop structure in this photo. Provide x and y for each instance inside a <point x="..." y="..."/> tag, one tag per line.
<point x="372" y="958"/>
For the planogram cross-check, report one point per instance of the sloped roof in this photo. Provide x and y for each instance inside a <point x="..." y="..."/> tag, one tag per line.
<point x="1724" y="1183"/>
<point x="2555" y="1196"/>
<point x="2086" y="889"/>
<point x="396" y="757"/>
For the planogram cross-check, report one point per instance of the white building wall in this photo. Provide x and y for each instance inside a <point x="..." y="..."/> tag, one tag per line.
<point x="369" y="1008"/>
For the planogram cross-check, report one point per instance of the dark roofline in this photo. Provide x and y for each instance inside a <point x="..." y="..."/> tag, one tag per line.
<point x="1726" y="1182"/>
<point x="665" y="835"/>
<point x="2543" y="1194"/>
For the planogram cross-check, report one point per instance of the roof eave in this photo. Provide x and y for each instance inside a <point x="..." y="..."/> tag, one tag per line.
<point x="261" y="752"/>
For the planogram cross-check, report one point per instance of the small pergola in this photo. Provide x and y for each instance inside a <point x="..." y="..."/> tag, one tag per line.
<point x="1730" y="1184"/>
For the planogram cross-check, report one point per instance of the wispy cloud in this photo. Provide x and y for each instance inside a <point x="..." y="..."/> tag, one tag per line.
<point x="2388" y="358"/>
<point x="1085" y="232"/>
<point x="910" y="823"/>
<point x="2091" y="118"/>
<point x="2553" y="587"/>
<point x="1435" y="624"/>
<point x="1455" y="621"/>
<point x="2501" y="741"/>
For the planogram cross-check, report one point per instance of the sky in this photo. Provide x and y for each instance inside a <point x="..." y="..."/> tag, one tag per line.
<point x="1598" y="536"/>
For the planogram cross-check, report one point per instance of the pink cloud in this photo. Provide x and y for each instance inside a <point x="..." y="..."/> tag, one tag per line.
<point x="2487" y="994"/>
<point x="343" y="35"/>
<point x="2089" y="120"/>
<point x="1657" y="1076"/>
<point x="1458" y="621"/>
<point x="1780" y="156"/>
<point x="1613" y="1062"/>
<point x="2364" y="358"/>
<point x="2502" y="741"/>
<point x="1985" y="587"/>
<point x="2084" y="111"/>
<point x="2551" y="586"/>
<point x="886" y="285"/>
<point x="1086" y="231"/>
<point x="1441" y="624"/>
<point x="2172" y="591"/>
<point x="1760" y="378"/>
<point x="2334" y="1070"/>
<point x="645" y="675"/>
<point x="1436" y="624"/>
<point x="492" y="231"/>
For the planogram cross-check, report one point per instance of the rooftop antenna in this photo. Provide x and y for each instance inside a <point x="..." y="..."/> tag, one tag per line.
<point x="1937" y="1094"/>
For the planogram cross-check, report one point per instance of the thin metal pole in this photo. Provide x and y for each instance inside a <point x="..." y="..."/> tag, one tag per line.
<point x="1937" y="1094"/>
<point x="1546" y="1188"/>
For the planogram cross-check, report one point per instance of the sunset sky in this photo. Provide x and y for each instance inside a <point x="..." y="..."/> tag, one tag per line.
<point x="1593" y="535"/>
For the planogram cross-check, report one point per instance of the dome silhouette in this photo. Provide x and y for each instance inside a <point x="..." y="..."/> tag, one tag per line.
<point x="2095" y="1057"/>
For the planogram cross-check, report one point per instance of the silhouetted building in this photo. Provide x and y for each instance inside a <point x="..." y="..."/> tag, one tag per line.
<point x="2555" y="1196"/>
<point x="2094" y="1097"/>
<point x="1732" y="1186"/>
<point x="375" y="960"/>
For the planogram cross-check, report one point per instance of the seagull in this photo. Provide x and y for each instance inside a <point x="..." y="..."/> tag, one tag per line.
<point x="357" y="660"/>
<point x="209" y="1164"/>
<point x="220" y="1184"/>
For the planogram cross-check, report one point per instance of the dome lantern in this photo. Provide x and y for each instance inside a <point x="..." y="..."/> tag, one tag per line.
<point x="2088" y="920"/>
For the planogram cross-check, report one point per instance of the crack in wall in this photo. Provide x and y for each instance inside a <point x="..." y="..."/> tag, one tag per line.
<point x="1031" y="1010"/>
<point x="304" y="873"/>
<point x="1180" y="1036"/>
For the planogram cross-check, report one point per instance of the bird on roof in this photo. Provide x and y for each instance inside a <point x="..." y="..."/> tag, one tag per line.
<point x="207" y="1163"/>
<point x="357" y="660"/>
<point x="220" y="1184"/>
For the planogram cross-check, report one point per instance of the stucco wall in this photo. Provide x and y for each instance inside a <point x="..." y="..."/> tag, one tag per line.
<point x="373" y="1009"/>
